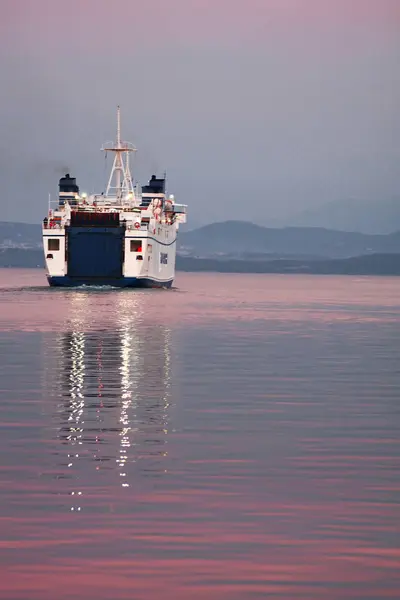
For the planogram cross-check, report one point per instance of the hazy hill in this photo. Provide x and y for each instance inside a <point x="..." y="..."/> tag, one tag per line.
<point x="20" y="234"/>
<point x="352" y="215"/>
<point x="243" y="239"/>
<point x="21" y="258"/>
<point x="375" y="264"/>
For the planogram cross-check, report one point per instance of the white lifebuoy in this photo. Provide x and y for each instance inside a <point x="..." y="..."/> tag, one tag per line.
<point x="137" y="225"/>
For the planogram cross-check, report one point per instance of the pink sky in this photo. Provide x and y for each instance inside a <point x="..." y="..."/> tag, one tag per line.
<point x="190" y="20"/>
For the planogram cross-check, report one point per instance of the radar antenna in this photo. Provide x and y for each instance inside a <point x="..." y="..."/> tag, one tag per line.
<point x="120" y="170"/>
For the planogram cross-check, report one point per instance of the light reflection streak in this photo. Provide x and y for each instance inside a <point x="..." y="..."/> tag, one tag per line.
<point x="115" y="385"/>
<point x="129" y="315"/>
<point x="74" y="356"/>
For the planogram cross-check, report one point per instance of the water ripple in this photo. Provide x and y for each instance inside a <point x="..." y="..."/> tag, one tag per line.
<point x="238" y="439"/>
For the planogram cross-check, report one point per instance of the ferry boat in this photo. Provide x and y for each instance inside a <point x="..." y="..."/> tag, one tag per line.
<point x="123" y="237"/>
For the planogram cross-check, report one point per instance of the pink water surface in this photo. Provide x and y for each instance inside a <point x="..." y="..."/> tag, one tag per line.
<point x="235" y="437"/>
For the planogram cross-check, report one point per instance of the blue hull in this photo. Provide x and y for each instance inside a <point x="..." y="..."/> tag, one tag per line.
<point x="121" y="282"/>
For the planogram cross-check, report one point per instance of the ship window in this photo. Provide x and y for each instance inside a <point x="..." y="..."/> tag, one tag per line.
<point x="136" y="245"/>
<point x="53" y="244"/>
<point x="140" y="257"/>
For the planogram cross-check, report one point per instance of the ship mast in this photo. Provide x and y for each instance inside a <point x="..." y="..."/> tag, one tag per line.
<point x="120" y="170"/>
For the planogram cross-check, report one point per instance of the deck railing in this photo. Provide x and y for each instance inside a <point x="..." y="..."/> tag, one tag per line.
<point x="50" y="224"/>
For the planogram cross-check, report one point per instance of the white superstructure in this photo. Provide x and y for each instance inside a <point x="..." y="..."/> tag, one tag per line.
<point x="125" y="236"/>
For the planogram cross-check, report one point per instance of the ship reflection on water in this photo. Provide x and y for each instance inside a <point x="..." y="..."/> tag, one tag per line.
<point x="114" y="390"/>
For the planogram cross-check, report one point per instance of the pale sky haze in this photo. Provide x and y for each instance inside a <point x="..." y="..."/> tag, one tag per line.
<point x="264" y="107"/>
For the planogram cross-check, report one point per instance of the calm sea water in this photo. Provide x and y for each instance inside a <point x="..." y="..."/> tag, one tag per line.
<point x="234" y="438"/>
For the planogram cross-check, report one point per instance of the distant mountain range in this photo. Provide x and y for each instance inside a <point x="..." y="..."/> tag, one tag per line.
<point x="21" y="258"/>
<point x="236" y="246"/>
<point x="237" y="239"/>
<point x="352" y="215"/>
<point x="20" y="235"/>
<point x="375" y="264"/>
